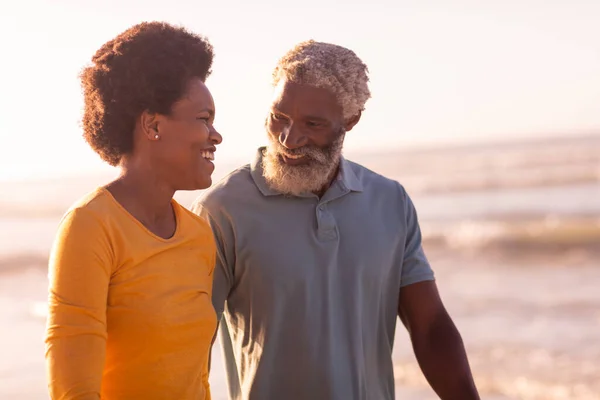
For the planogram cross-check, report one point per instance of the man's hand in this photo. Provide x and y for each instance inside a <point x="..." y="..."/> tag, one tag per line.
<point x="436" y="342"/>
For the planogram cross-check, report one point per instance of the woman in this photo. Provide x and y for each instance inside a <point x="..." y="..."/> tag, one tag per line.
<point x="130" y="315"/>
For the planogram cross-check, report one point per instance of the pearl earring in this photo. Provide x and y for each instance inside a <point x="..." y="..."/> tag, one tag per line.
<point x="156" y="136"/>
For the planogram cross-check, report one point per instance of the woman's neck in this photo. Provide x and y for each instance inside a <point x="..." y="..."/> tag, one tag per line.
<point x="145" y="197"/>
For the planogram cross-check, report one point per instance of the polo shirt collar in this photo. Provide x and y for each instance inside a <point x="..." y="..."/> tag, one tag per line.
<point x="346" y="177"/>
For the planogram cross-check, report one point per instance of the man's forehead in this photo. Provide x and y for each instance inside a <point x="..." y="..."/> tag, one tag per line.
<point x="294" y="97"/>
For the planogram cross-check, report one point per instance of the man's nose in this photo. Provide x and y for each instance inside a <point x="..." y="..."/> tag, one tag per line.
<point x="292" y="137"/>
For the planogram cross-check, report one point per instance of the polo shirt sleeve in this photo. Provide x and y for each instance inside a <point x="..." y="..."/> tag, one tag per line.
<point x="225" y="260"/>
<point x="415" y="266"/>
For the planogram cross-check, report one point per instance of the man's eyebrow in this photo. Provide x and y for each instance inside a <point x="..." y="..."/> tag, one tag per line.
<point x="316" y="118"/>
<point x="275" y="110"/>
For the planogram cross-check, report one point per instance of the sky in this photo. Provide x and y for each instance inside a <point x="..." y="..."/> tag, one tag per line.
<point x="441" y="71"/>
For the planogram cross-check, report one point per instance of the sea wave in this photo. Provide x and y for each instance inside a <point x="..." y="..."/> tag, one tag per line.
<point x="538" y="235"/>
<point x="476" y="180"/>
<point x="13" y="263"/>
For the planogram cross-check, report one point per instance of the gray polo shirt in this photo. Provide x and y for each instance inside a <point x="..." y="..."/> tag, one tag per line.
<point x="309" y="286"/>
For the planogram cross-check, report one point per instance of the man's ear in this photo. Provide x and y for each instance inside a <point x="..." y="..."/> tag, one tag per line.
<point x="149" y="125"/>
<point x="350" y="123"/>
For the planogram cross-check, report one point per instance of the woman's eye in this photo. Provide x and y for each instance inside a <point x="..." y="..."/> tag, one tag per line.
<point x="278" y="117"/>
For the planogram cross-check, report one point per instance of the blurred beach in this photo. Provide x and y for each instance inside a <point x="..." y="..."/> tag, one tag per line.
<point x="512" y="230"/>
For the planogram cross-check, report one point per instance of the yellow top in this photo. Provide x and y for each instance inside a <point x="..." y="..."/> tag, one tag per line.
<point x="130" y="313"/>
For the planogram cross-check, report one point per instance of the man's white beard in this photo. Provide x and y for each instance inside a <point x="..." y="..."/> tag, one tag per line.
<point x="298" y="179"/>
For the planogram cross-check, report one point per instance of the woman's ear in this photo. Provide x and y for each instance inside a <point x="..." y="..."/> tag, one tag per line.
<point x="149" y="124"/>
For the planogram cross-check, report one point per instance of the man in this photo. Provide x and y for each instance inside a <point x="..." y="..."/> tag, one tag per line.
<point x="318" y="256"/>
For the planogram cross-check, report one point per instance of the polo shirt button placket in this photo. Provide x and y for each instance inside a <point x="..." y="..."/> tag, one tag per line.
<point x="326" y="224"/>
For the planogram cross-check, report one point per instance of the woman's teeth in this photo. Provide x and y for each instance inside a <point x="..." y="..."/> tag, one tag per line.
<point x="209" y="155"/>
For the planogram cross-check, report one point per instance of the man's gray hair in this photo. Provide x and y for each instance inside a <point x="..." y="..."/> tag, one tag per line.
<point x="327" y="66"/>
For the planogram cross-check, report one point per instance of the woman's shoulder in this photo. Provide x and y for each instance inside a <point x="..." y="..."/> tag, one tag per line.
<point x="85" y="218"/>
<point x="96" y="202"/>
<point x="93" y="209"/>
<point x="189" y="216"/>
<point x="192" y="223"/>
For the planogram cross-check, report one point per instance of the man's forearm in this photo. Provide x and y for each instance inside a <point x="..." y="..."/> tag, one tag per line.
<point x="443" y="360"/>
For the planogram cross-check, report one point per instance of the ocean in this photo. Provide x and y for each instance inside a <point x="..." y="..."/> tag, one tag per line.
<point x="512" y="231"/>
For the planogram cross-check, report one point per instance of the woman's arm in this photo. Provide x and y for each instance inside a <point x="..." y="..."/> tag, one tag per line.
<point x="79" y="274"/>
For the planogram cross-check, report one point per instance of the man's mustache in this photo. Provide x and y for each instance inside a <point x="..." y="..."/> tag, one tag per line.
<point x="314" y="153"/>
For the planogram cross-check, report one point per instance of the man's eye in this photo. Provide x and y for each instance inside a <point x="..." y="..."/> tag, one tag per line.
<point x="205" y="119"/>
<point x="313" y="124"/>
